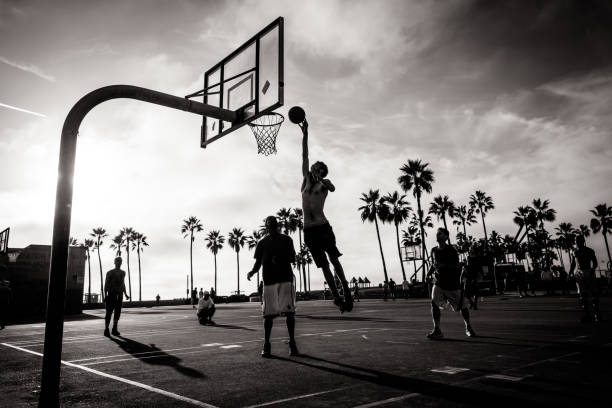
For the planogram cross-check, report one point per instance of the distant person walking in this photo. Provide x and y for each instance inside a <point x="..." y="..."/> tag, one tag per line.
<point x="157" y="298"/>
<point x="356" y="292"/>
<point x="447" y="284"/>
<point x="6" y="297"/>
<point x="392" y="287"/>
<point x="206" y="309"/>
<point x="201" y="293"/>
<point x="114" y="289"/>
<point x="276" y="253"/>
<point x="586" y="281"/>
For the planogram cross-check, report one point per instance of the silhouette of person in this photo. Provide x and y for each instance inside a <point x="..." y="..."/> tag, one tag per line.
<point x="586" y="281"/>
<point x="114" y="289"/>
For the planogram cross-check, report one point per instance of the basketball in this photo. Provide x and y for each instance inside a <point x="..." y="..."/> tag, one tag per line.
<point x="297" y="115"/>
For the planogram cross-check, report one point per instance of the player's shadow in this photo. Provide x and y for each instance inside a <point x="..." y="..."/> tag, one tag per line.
<point x="347" y="318"/>
<point x="230" y="326"/>
<point x="449" y="392"/>
<point x="151" y="354"/>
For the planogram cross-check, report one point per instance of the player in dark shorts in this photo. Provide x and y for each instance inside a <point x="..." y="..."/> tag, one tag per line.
<point x="275" y="252"/>
<point x="447" y="284"/>
<point x="586" y="281"/>
<point x="114" y="289"/>
<point x="318" y="234"/>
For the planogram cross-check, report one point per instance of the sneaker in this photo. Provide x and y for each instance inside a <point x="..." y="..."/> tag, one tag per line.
<point x="435" y="334"/>
<point x="470" y="332"/>
<point x="115" y="332"/>
<point x="293" y="350"/>
<point x="348" y="304"/>
<point x="106" y="332"/>
<point x="211" y="322"/>
<point x="267" y="350"/>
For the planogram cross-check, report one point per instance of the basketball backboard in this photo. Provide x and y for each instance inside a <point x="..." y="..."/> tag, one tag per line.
<point x="249" y="82"/>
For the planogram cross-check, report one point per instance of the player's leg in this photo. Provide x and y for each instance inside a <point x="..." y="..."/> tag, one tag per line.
<point x="286" y="303"/>
<point x="109" y="311"/>
<point x="465" y="313"/>
<point x="348" y="300"/>
<point x="211" y="312"/>
<point x="267" y="348"/>
<point x="117" y="315"/>
<point x="436" y="297"/>
<point x="293" y="350"/>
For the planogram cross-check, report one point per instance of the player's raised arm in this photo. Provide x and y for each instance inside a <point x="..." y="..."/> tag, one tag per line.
<point x="329" y="185"/>
<point x="305" y="164"/>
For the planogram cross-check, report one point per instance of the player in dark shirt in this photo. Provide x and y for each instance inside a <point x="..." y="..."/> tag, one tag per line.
<point x="276" y="253"/>
<point x="586" y="281"/>
<point x="447" y="284"/>
<point x="114" y="289"/>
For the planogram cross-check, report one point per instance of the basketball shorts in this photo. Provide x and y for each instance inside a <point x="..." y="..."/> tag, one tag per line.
<point x="320" y="239"/>
<point x="443" y="298"/>
<point x="278" y="298"/>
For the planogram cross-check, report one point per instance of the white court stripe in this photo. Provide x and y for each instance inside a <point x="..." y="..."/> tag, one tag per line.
<point x="230" y="346"/>
<point x="314" y="394"/>
<point x="124" y="380"/>
<point x="388" y="401"/>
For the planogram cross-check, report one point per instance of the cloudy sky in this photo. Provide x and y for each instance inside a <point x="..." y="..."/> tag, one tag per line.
<point x="512" y="98"/>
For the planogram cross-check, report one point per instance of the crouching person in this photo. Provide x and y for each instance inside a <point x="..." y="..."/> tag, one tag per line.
<point x="206" y="309"/>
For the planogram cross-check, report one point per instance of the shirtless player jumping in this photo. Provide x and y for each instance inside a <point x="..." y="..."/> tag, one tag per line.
<point x="318" y="234"/>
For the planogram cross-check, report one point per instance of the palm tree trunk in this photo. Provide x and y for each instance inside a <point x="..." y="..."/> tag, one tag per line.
<point x="215" y="256"/>
<point x="238" y="263"/>
<point x="380" y="247"/>
<point x="139" y="275"/>
<point x="484" y="227"/>
<point x="607" y="248"/>
<point x="445" y="227"/>
<point x="464" y="231"/>
<point x="399" y="251"/>
<point x="523" y="236"/>
<point x="101" y="277"/>
<point x="127" y="249"/>
<point x="89" y="287"/>
<point x="306" y="288"/>
<point x="191" y="265"/>
<point x="308" y="266"/>
<point x="422" y="236"/>
<point x="518" y="232"/>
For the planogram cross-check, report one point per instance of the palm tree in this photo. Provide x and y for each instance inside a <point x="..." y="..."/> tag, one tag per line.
<point x="418" y="178"/>
<point x="464" y="216"/>
<point x="521" y="218"/>
<point x="482" y="203"/>
<point x="370" y="212"/>
<point x="214" y="242"/>
<point x="88" y="245"/>
<point x="140" y="241"/>
<point x="190" y="226"/>
<point x="73" y="241"/>
<point x="128" y="233"/>
<point x="98" y="234"/>
<point x="566" y="237"/>
<point x="252" y="241"/>
<point x="117" y="243"/>
<point x="603" y="222"/>
<point x="584" y="230"/>
<point x="287" y="221"/>
<point x="398" y="211"/>
<point x="298" y="219"/>
<point x="236" y="240"/>
<point x="308" y="260"/>
<point x="543" y="212"/>
<point x="411" y="238"/>
<point x="440" y="207"/>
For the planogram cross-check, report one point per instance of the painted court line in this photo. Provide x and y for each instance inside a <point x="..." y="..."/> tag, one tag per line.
<point x="231" y="346"/>
<point x="449" y="370"/>
<point x="124" y="380"/>
<point x="505" y="377"/>
<point x="314" y="394"/>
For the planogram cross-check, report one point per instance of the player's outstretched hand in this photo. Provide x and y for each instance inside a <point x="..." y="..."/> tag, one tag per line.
<point x="304" y="126"/>
<point x="127" y="297"/>
<point x="250" y="275"/>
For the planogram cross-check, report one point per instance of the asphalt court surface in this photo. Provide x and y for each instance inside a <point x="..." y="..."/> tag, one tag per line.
<point x="528" y="351"/>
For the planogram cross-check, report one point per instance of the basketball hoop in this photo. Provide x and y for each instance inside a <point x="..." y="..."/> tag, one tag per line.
<point x="265" y="128"/>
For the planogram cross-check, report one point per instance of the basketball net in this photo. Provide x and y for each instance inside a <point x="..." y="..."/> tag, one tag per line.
<point x="265" y="128"/>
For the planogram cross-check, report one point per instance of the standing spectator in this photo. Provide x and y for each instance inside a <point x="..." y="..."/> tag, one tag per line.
<point x="356" y="292"/>
<point x="392" y="287"/>
<point x="201" y="293"/>
<point x="385" y="291"/>
<point x="194" y="298"/>
<point x="586" y="262"/>
<point x="405" y="289"/>
<point x="157" y="298"/>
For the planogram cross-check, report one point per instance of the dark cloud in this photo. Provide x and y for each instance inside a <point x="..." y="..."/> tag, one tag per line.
<point x="323" y="66"/>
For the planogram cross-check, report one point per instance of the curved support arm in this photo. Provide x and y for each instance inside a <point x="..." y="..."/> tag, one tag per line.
<point x="54" y="326"/>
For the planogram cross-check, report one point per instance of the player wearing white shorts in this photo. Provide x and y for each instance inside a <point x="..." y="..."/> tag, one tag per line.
<point x="275" y="252"/>
<point x="447" y="284"/>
